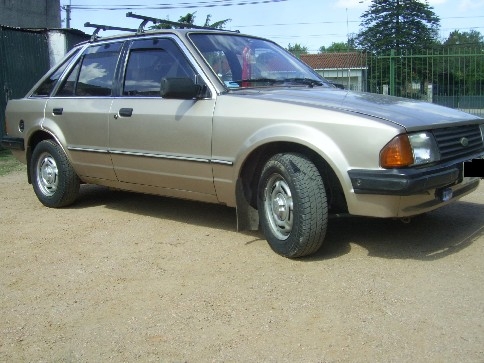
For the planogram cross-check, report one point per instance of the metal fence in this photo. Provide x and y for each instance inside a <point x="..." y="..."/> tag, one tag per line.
<point x="24" y="57"/>
<point x="452" y="77"/>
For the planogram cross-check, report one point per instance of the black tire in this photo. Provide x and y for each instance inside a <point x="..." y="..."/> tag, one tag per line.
<point x="54" y="180"/>
<point x="292" y="204"/>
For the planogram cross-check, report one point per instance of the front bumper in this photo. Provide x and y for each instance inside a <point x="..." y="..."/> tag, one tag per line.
<point x="405" y="182"/>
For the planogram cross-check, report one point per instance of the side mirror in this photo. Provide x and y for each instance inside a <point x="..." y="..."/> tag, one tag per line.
<point x="181" y="88"/>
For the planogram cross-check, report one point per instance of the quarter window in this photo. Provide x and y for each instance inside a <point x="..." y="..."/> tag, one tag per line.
<point x="48" y="85"/>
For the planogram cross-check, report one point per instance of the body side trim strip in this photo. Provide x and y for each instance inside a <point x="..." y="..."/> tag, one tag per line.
<point x="85" y="149"/>
<point x="151" y="155"/>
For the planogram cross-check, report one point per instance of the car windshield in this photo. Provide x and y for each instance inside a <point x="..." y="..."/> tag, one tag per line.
<point x="243" y="62"/>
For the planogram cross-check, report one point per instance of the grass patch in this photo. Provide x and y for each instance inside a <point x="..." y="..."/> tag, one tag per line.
<point x="8" y="163"/>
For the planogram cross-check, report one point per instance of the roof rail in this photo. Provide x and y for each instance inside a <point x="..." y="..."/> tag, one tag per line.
<point x="98" y="27"/>
<point x="147" y="19"/>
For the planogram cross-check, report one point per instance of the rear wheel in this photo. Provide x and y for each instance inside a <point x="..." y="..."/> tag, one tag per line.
<point x="292" y="205"/>
<point x="54" y="181"/>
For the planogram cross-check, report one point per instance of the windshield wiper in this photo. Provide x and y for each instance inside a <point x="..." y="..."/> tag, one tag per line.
<point x="306" y="81"/>
<point x="271" y="81"/>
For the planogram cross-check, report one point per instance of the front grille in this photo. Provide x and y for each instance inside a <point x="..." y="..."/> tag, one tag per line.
<point x="459" y="142"/>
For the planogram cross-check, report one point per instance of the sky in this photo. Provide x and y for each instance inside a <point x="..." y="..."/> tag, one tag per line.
<point x="310" y="23"/>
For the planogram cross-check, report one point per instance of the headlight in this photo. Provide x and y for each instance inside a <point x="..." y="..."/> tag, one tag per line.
<point x="482" y="131"/>
<point x="409" y="149"/>
<point x="425" y="149"/>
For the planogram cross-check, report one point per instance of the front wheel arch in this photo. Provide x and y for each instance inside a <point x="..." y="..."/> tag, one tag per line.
<point x="252" y="168"/>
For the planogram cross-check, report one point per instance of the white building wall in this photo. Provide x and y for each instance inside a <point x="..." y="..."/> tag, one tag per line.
<point x="352" y="79"/>
<point x="57" y="46"/>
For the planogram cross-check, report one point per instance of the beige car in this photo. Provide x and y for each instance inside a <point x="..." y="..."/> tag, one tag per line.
<point x="226" y="118"/>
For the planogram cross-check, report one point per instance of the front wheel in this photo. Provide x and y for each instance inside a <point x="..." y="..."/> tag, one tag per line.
<point x="292" y="204"/>
<point x="54" y="180"/>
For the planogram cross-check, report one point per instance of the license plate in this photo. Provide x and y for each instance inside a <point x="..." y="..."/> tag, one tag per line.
<point x="473" y="168"/>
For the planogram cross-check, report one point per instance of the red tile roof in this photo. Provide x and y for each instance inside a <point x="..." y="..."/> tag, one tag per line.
<point x="335" y="60"/>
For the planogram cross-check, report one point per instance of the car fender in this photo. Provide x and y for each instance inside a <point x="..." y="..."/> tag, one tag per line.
<point x="227" y="174"/>
<point x="300" y="134"/>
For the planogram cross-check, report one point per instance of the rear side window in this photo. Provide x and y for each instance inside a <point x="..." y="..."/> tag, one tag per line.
<point x="93" y="75"/>
<point x="97" y="74"/>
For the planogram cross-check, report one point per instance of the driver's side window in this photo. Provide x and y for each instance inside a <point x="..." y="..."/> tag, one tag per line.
<point x="151" y="60"/>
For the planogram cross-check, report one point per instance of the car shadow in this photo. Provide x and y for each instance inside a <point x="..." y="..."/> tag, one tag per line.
<point x="427" y="237"/>
<point x="197" y="213"/>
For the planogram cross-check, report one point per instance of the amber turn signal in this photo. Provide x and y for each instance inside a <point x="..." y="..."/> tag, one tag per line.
<point x="397" y="153"/>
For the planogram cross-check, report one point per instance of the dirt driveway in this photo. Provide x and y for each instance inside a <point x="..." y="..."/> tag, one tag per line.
<point x="126" y="277"/>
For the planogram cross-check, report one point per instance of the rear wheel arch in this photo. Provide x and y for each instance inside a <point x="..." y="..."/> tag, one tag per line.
<point x="34" y="140"/>
<point x="55" y="182"/>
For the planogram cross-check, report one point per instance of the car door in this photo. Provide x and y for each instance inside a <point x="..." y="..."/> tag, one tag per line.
<point x="161" y="142"/>
<point x="79" y="109"/>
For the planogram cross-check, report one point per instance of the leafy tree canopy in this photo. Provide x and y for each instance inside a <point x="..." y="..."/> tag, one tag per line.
<point x="395" y="24"/>
<point x="467" y="39"/>
<point x="341" y="47"/>
<point x="297" y="49"/>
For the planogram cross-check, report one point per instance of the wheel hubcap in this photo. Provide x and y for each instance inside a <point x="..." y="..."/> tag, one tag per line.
<point x="279" y="206"/>
<point x="47" y="174"/>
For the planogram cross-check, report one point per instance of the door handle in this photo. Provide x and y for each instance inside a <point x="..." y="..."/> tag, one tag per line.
<point x="58" y="111"/>
<point x="125" y="112"/>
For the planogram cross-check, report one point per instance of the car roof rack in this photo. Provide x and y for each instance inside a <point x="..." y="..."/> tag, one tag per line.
<point x="147" y="19"/>
<point x="99" y="27"/>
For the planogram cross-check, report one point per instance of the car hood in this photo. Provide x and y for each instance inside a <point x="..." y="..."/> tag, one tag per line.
<point x="411" y="114"/>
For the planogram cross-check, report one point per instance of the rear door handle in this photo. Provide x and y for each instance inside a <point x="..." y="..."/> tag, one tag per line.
<point x="58" y="111"/>
<point x="126" y="112"/>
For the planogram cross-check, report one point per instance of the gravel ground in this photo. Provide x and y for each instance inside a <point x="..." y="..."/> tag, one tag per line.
<point x="122" y="277"/>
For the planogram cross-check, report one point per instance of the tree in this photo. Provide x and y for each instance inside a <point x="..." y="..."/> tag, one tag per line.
<point x="218" y="24"/>
<point x="471" y="39"/>
<point x="190" y="19"/>
<point x="340" y="47"/>
<point x="297" y="49"/>
<point x="463" y="72"/>
<point x="395" y="24"/>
